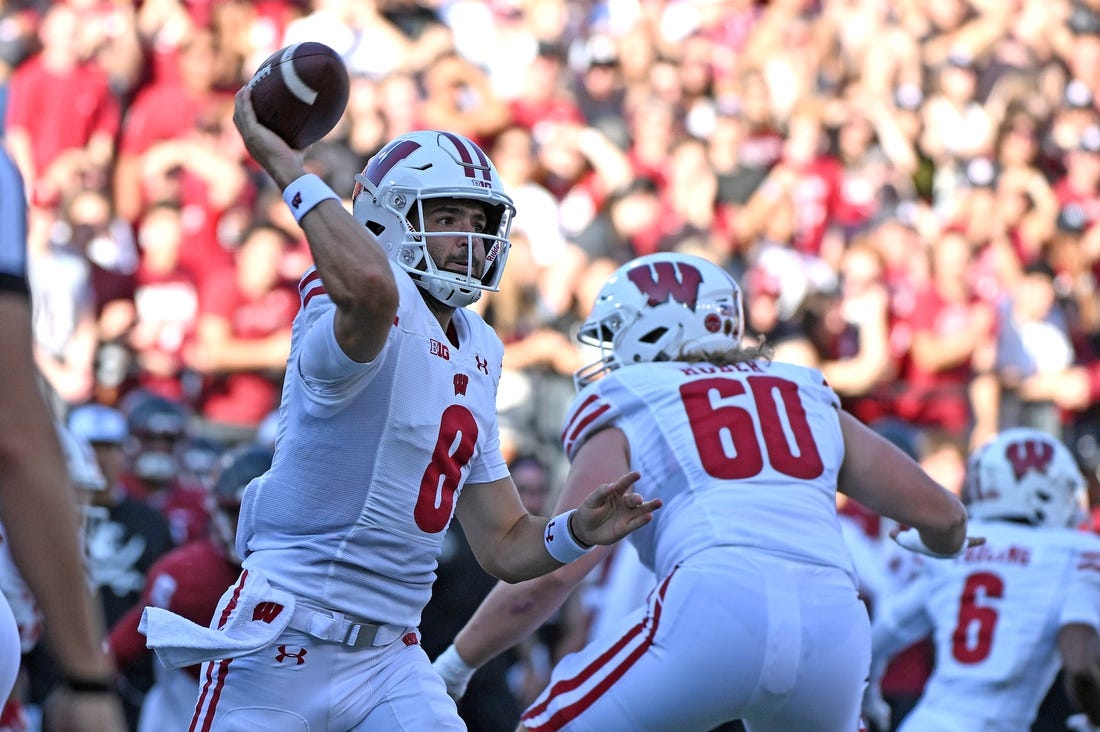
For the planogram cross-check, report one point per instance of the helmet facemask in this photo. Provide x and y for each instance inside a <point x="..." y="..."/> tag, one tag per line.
<point x="389" y="200"/>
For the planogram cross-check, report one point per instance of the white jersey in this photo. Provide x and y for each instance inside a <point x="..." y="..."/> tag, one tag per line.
<point x="994" y="614"/>
<point x="743" y="455"/>
<point x="24" y="607"/>
<point x="370" y="458"/>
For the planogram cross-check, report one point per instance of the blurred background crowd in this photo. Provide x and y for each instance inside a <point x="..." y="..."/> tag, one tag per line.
<point x="908" y="192"/>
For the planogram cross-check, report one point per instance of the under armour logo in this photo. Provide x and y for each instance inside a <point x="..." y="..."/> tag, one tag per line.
<point x="461" y="381"/>
<point x="550" y="529"/>
<point x="284" y="654"/>
<point x="266" y="611"/>
<point x="482" y="364"/>
<point x="296" y="202"/>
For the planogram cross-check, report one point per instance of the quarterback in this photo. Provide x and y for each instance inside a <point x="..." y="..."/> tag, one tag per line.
<point x="387" y="430"/>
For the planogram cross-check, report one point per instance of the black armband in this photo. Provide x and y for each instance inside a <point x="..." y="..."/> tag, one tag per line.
<point x="79" y="685"/>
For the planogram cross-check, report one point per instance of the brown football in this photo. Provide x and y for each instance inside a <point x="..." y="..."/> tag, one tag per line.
<point x="300" y="92"/>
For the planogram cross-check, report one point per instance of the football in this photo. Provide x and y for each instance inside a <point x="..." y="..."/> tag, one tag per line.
<point x="300" y="92"/>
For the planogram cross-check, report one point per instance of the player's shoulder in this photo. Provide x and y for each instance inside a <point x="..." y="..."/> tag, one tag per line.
<point x="1077" y="539"/>
<point x="592" y="409"/>
<point x="312" y="294"/>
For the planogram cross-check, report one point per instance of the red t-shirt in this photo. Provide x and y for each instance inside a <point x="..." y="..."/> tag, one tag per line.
<point x="815" y="202"/>
<point x="166" y="307"/>
<point x="1089" y="201"/>
<point x="937" y="398"/>
<point x="245" y="397"/>
<point x="60" y="111"/>
<point x="165" y="111"/>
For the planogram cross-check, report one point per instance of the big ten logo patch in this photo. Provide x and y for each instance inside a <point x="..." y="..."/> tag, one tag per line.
<point x="437" y="348"/>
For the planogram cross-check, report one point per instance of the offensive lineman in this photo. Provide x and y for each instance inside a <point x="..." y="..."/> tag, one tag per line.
<point x="755" y="614"/>
<point x="387" y="429"/>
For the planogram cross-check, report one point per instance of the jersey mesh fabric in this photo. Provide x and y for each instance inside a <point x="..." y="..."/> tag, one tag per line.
<point x="341" y="519"/>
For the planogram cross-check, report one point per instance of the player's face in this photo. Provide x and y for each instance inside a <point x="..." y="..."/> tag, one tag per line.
<point x="460" y="253"/>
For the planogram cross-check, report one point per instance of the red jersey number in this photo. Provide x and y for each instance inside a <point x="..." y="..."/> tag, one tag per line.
<point x="453" y="449"/>
<point x="973" y="637"/>
<point x="732" y="440"/>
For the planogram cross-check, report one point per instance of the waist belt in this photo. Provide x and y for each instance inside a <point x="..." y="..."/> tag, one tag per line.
<point x="339" y="628"/>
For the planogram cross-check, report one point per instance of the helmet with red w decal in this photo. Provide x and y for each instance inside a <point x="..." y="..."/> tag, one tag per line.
<point x="662" y="307"/>
<point x="389" y="200"/>
<point x="1028" y="475"/>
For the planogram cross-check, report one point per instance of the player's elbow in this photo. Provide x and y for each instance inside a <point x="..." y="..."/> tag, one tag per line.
<point x="510" y="572"/>
<point x="944" y="530"/>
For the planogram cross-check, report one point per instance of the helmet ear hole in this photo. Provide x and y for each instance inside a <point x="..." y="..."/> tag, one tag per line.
<point x="375" y="228"/>
<point x="662" y="307"/>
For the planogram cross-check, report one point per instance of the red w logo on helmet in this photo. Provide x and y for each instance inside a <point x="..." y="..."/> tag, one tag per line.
<point x="659" y="282"/>
<point x="1029" y="455"/>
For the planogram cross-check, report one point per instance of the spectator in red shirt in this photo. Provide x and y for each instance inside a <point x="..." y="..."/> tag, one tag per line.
<point x="166" y="110"/>
<point x="62" y="117"/>
<point x="202" y="171"/>
<point x="243" y="336"/>
<point x="951" y="346"/>
<point x="807" y="179"/>
<point x="1081" y="182"/>
<point x="165" y="303"/>
<point x="544" y="98"/>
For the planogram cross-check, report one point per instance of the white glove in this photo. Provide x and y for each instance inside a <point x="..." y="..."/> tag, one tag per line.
<point x="875" y="709"/>
<point x="1080" y="723"/>
<point x="455" y="672"/>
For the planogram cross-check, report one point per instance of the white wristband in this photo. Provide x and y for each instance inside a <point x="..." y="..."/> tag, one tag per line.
<point x="911" y="540"/>
<point x="560" y="541"/>
<point x="304" y="193"/>
<point x="455" y="672"/>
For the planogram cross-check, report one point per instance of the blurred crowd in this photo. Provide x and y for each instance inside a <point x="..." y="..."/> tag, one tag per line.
<point x="907" y="191"/>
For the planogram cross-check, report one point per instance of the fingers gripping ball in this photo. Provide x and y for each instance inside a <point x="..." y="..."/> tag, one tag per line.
<point x="300" y="92"/>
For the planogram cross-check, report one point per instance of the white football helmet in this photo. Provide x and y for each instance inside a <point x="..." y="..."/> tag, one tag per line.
<point x="86" y="476"/>
<point x="388" y="199"/>
<point x="661" y="307"/>
<point x="81" y="460"/>
<point x="1025" y="474"/>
